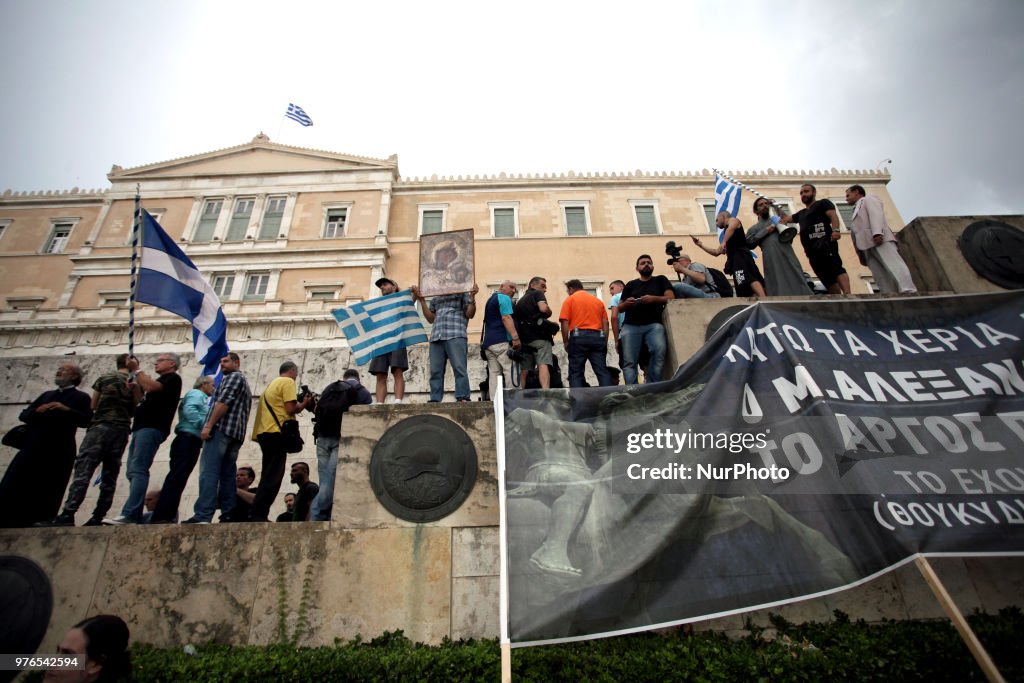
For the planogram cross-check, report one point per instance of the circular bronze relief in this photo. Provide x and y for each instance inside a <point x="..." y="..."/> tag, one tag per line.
<point x="721" y="318"/>
<point x="423" y="468"/>
<point x="996" y="252"/>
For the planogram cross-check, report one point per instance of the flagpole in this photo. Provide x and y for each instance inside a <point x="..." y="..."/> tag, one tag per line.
<point x="134" y="271"/>
<point x="499" y="437"/>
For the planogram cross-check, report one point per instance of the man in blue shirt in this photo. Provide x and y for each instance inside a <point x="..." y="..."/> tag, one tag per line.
<point x="500" y="335"/>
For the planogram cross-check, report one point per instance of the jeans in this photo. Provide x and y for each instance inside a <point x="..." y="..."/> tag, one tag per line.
<point x="633" y="337"/>
<point x="452" y="351"/>
<point x="275" y="456"/>
<point x="184" y="456"/>
<point x="217" y="476"/>
<point x="145" y="443"/>
<point x="687" y="291"/>
<point x="327" y="468"/>
<point x="585" y="347"/>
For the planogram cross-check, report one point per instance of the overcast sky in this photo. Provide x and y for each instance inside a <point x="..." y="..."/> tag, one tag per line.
<point x="477" y="87"/>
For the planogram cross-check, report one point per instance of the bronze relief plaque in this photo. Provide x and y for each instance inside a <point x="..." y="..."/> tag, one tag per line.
<point x="423" y="468"/>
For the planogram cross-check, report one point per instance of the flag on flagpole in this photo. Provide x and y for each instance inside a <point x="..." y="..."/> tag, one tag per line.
<point x="295" y="113"/>
<point x="727" y="198"/>
<point x="169" y="280"/>
<point x="381" y="325"/>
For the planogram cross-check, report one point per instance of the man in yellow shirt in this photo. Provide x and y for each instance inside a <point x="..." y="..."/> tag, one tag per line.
<point x="282" y="398"/>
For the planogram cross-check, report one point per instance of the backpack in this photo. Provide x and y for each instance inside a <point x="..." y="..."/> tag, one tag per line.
<point x="720" y="283"/>
<point x="334" y="402"/>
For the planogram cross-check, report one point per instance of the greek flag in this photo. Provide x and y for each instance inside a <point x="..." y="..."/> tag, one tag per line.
<point x="378" y="326"/>
<point x="727" y="198"/>
<point x="295" y="113"/>
<point x="169" y="280"/>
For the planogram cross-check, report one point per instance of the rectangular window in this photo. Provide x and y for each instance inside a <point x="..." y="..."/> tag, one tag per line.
<point x="335" y="224"/>
<point x="709" y="215"/>
<point x="113" y="299"/>
<point x="504" y="222"/>
<point x="845" y="212"/>
<point x="208" y="220"/>
<point x="222" y="285"/>
<point x="432" y="221"/>
<point x="256" y="287"/>
<point x="4" y="222"/>
<point x="240" y="220"/>
<point x="575" y="220"/>
<point x="646" y="220"/>
<point x="270" y="226"/>
<point x="58" y="238"/>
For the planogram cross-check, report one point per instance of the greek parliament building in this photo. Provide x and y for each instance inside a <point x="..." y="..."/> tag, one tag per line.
<point x="286" y="234"/>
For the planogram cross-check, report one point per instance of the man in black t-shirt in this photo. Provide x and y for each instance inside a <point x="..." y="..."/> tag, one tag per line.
<point x="531" y="309"/>
<point x="150" y="427"/>
<point x="643" y="301"/>
<point x="819" y="234"/>
<point x="306" y="493"/>
<point x="289" y="513"/>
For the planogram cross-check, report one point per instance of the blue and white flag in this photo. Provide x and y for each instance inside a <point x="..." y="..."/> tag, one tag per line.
<point x="295" y="113"/>
<point x="169" y="280"/>
<point x="378" y="326"/>
<point x="727" y="198"/>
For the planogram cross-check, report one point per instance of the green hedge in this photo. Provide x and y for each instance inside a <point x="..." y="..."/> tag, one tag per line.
<point x="840" y="650"/>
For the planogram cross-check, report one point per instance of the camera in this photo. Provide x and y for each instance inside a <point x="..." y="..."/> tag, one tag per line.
<point x="516" y="355"/>
<point x="304" y="391"/>
<point x="672" y="250"/>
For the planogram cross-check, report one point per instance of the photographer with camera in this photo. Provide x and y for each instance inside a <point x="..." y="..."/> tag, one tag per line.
<point x="695" y="282"/>
<point x="500" y="336"/>
<point x="333" y="403"/>
<point x="278" y="405"/>
<point x="536" y="332"/>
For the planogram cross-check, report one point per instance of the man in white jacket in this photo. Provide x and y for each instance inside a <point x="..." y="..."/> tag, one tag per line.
<point x="875" y="241"/>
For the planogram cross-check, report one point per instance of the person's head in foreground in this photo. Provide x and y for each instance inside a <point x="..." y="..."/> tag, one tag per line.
<point x="103" y="642"/>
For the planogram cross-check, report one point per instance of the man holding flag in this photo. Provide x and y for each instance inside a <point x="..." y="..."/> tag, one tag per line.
<point x="167" y="279"/>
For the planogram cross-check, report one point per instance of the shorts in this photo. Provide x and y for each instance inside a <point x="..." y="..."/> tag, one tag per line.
<point x="827" y="264"/>
<point x="397" y="360"/>
<point x="744" y="273"/>
<point x="538" y="353"/>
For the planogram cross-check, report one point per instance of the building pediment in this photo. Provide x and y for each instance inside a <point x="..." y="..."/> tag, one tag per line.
<point x="257" y="157"/>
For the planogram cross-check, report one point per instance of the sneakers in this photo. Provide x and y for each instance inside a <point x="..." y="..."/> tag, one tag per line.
<point x="118" y="521"/>
<point x="63" y="519"/>
<point x="94" y="521"/>
<point x="397" y="402"/>
<point x="194" y="520"/>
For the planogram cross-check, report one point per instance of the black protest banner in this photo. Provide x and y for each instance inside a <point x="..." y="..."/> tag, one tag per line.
<point x="808" y="446"/>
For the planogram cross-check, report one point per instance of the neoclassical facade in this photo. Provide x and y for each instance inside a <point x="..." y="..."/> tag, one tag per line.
<point x="287" y="234"/>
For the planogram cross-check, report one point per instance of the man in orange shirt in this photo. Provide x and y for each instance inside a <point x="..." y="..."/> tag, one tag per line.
<point x="585" y="334"/>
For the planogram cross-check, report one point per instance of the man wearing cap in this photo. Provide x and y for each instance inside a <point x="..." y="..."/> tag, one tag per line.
<point x="697" y="282"/>
<point x="584" y="324"/>
<point x="397" y="361"/>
